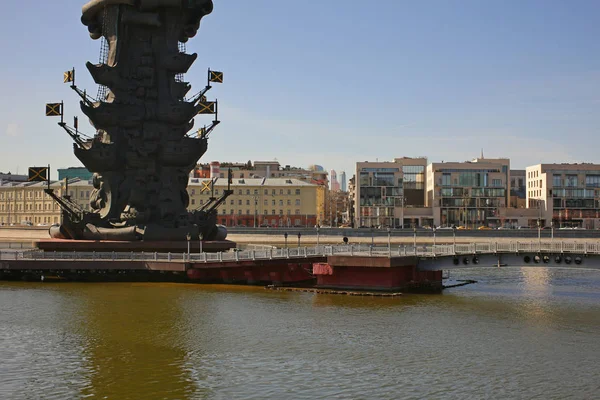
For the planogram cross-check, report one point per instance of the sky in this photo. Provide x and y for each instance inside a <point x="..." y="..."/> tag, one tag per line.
<point x="334" y="82"/>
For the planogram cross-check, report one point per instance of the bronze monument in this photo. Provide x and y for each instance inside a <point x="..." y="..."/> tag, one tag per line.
<point x="142" y="152"/>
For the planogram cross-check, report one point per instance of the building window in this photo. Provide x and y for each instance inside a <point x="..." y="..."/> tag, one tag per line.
<point x="297" y="202"/>
<point x="297" y="212"/>
<point x="272" y="212"/>
<point x="289" y="202"/>
<point x="280" y="202"/>
<point x="266" y="191"/>
<point x="592" y="180"/>
<point x="571" y="181"/>
<point x="297" y="191"/>
<point x="248" y="202"/>
<point x="446" y="180"/>
<point x="289" y="191"/>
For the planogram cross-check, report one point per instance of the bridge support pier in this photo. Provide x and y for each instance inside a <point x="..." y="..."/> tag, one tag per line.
<point x="376" y="273"/>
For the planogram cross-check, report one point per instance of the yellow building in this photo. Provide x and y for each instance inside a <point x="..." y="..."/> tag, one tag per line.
<point x="262" y="202"/>
<point x="255" y="202"/>
<point x="28" y="204"/>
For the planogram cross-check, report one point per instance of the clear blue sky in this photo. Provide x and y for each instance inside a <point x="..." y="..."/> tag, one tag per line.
<point x="333" y="82"/>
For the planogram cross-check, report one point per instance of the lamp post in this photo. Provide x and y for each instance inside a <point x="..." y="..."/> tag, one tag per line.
<point x="454" y="235"/>
<point x="389" y="232"/>
<point x="539" y="233"/>
<point x="200" y="237"/>
<point x="552" y="233"/>
<point x="188" y="237"/>
<point x="299" y="235"/>
<point x="415" y="236"/>
<point x="372" y="237"/>
<point x="434" y="229"/>
<point x="318" y="235"/>
<point x="285" y="235"/>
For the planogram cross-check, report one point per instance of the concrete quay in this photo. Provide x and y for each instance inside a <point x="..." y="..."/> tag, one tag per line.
<point x="309" y="237"/>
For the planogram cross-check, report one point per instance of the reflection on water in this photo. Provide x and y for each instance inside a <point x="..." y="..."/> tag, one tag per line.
<point x="518" y="333"/>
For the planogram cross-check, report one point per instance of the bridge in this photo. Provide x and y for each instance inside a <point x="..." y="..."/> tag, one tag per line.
<point x="448" y="256"/>
<point x="350" y="266"/>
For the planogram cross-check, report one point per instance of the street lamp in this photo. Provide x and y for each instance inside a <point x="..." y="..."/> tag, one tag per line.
<point x="454" y="235"/>
<point x="552" y="232"/>
<point x="188" y="237"/>
<point x="415" y="236"/>
<point x="200" y="237"/>
<point x="434" y="229"/>
<point x="389" y="232"/>
<point x="372" y="237"/>
<point x="318" y="235"/>
<point x="285" y="235"/>
<point x="539" y="233"/>
<point x="299" y="235"/>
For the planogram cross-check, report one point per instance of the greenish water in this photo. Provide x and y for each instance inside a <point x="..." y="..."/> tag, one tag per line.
<point x="517" y="334"/>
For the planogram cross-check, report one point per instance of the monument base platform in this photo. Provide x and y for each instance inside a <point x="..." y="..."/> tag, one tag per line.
<point x="136" y="246"/>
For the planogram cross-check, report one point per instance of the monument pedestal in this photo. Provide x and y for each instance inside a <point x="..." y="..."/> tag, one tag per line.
<point x="66" y="245"/>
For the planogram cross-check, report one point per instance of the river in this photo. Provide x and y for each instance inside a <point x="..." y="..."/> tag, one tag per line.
<point x="518" y="333"/>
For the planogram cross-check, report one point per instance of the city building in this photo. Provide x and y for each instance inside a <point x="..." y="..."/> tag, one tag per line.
<point x="518" y="184"/>
<point x="470" y="193"/>
<point x="278" y="202"/>
<point x="27" y="203"/>
<point x="9" y="177"/>
<point x="391" y="194"/>
<point x="73" y="173"/>
<point x="261" y="169"/>
<point x="254" y="202"/>
<point x="343" y="180"/>
<point x="334" y="184"/>
<point x="564" y="195"/>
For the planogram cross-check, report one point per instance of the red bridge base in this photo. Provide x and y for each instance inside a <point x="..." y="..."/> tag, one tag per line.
<point x="376" y="273"/>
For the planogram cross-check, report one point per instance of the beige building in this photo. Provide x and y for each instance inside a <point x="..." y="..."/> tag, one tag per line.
<point x="27" y="203"/>
<point x="384" y="191"/>
<point x="273" y="202"/>
<point x="263" y="202"/>
<point x="469" y="194"/>
<point x="565" y="195"/>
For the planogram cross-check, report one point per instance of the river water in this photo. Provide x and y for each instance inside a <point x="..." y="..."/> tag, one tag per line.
<point x="516" y="334"/>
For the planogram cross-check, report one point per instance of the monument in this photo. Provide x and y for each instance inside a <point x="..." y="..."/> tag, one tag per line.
<point x="142" y="151"/>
